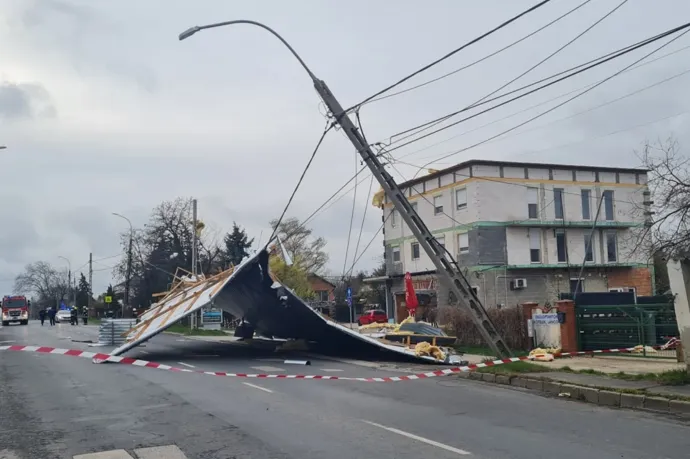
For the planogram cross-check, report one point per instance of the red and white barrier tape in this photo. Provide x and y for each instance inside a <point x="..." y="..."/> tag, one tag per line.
<point x="101" y="358"/>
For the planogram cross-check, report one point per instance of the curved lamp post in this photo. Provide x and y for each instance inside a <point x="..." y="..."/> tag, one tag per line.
<point x="69" y="279"/>
<point x="129" y="262"/>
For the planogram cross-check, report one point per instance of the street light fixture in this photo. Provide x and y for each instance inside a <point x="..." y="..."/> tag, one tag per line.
<point x="2" y="147"/>
<point x="129" y="262"/>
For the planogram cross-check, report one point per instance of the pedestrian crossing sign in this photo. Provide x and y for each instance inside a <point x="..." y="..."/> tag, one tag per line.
<point x="108" y="299"/>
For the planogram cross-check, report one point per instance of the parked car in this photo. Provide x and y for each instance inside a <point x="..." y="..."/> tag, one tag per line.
<point x="62" y="315"/>
<point x="375" y="315"/>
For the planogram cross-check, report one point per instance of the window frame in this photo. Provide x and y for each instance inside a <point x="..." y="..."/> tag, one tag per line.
<point x="534" y="234"/>
<point x="609" y="204"/>
<point x="535" y="203"/>
<point x="463" y="249"/>
<point x="558" y="203"/>
<point x="588" y="201"/>
<point x="589" y="236"/>
<point x="414" y="245"/>
<point x="459" y="205"/>
<point x="615" y="243"/>
<point x="438" y="210"/>
<point x="561" y="232"/>
<point x="441" y="240"/>
<point x="395" y="250"/>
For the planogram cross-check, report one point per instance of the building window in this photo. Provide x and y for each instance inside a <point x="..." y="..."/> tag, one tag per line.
<point x="461" y="198"/>
<point x="322" y="295"/>
<point x="589" y="250"/>
<point x="561" y="247"/>
<point x="532" y="199"/>
<point x="396" y="254"/>
<point x="414" y="206"/>
<point x="438" y="205"/>
<point x="394" y="217"/>
<point x="414" y="246"/>
<point x="558" y="202"/>
<point x="534" y="245"/>
<point x="441" y="240"/>
<point x="608" y="204"/>
<point x="611" y="247"/>
<point x="463" y="243"/>
<point x="586" y="200"/>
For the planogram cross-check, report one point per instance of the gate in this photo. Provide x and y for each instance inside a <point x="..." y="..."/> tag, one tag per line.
<point x="610" y="326"/>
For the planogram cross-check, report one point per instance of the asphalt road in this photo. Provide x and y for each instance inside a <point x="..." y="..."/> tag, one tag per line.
<point x="56" y="407"/>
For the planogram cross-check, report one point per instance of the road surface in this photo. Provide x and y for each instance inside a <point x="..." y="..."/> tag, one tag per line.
<point x="60" y="407"/>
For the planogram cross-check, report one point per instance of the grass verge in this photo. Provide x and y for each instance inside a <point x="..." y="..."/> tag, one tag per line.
<point x="184" y="330"/>
<point x="667" y="378"/>
<point x="515" y="368"/>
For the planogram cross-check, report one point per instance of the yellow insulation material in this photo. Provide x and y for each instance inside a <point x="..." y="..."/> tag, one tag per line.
<point x="424" y="348"/>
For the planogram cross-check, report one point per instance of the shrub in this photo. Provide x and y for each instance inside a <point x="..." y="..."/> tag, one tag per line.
<point x="508" y="321"/>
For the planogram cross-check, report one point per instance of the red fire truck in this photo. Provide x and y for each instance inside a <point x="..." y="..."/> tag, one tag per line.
<point x="15" y="309"/>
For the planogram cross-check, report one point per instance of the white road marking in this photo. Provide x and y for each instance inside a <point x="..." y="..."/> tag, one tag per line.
<point x="158" y="452"/>
<point x="145" y="352"/>
<point x="186" y="364"/>
<point x="331" y="369"/>
<point x="114" y="454"/>
<point x="182" y="340"/>
<point x="6" y="342"/>
<point x="268" y="369"/>
<point x="418" y="438"/>
<point x="258" y="387"/>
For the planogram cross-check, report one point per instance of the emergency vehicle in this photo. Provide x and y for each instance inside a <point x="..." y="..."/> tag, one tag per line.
<point x="15" y="309"/>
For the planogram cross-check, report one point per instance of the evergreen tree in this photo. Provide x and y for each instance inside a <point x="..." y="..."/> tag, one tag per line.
<point x="236" y="245"/>
<point x="83" y="291"/>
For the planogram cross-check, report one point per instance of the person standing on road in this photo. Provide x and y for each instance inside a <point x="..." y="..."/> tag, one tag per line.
<point x="85" y="314"/>
<point x="51" y="316"/>
<point x="42" y="316"/>
<point x="73" y="317"/>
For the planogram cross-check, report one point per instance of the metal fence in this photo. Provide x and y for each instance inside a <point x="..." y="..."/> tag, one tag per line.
<point x="110" y="331"/>
<point x="627" y="325"/>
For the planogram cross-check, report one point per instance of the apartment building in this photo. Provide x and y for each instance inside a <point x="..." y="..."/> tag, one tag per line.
<point x="525" y="231"/>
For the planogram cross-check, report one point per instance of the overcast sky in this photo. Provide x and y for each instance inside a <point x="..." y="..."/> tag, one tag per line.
<point x="103" y="109"/>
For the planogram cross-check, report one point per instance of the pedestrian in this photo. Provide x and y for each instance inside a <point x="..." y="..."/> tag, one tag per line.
<point x="73" y="317"/>
<point x="51" y="316"/>
<point x="42" y="316"/>
<point x="85" y="314"/>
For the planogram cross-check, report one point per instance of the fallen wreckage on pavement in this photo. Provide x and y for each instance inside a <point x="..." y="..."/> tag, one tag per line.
<point x="268" y="308"/>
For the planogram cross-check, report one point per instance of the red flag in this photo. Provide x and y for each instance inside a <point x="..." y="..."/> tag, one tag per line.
<point x="410" y="295"/>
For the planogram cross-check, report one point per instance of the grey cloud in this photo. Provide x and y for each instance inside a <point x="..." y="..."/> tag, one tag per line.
<point x="25" y="100"/>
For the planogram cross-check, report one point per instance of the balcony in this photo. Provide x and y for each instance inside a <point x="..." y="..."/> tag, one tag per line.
<point x="394" y="268"/>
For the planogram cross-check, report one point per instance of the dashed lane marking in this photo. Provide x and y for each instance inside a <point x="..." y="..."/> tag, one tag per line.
<point x="331" y="369"/>
<point x="452" y="449"/>
<point x="186" y="365"/>
<point x="258" y="387"/>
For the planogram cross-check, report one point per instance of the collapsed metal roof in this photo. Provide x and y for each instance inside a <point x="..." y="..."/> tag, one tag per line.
<point x="248" y="291"/>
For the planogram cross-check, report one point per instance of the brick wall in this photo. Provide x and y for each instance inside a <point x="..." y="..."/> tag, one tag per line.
<point x="318" y="284"/>
<point x="640" y="278"/>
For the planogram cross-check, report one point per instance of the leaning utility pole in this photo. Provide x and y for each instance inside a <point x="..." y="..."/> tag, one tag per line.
<point x="128" y="279"/>
<point x="454" y="280"/>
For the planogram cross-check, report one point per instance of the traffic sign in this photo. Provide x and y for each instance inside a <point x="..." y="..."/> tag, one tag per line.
<point x="348" y="296"/>
<point x="108" y="299"/>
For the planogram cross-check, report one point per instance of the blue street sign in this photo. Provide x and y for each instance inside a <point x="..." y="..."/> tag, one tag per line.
<point x="348" y="296"/>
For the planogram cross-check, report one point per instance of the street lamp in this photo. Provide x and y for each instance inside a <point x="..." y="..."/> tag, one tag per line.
<point x="129" y="262"/>
<point x="69" y="280"/>
<point x="2" y="147"/>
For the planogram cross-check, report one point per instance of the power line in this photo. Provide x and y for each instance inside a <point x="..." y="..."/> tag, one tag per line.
<point x="299" y="182"/>
<point x="534" y="83"/>
<point x="361" y="228"/>
<point x="562" y="103"/>
<point x="352" y="219"/>
<point x="455" y="51"/>
<point x="538" y="105"/>
<point x="618" y="99"/>
<point x="622" y="53"/>
<point x="464" y="67"/>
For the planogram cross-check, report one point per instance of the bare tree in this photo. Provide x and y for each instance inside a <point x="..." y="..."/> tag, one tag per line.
<point x="306" y="251"/>
<point x="42" y="280"/>
<point x="669" y="184"/>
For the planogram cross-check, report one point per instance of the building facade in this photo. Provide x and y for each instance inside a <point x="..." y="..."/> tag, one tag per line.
<point x="524" y="231"/>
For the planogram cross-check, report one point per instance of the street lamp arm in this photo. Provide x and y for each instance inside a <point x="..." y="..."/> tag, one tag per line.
<point x="128" y="221"/>
<point x="192" y="30"/>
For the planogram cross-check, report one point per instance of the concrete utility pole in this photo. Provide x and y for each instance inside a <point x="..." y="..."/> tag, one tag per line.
<point x="679" y="280"/>
<point x="88" y="304"/>
<point x="194" y="316"/>
<point x="452" y="279"/>
<point x="128" y="276"/>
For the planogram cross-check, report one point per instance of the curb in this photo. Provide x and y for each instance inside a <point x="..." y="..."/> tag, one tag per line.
<point x="587" y="394"/>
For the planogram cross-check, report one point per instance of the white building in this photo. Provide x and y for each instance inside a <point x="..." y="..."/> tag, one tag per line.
<point x="519" y="230"/>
